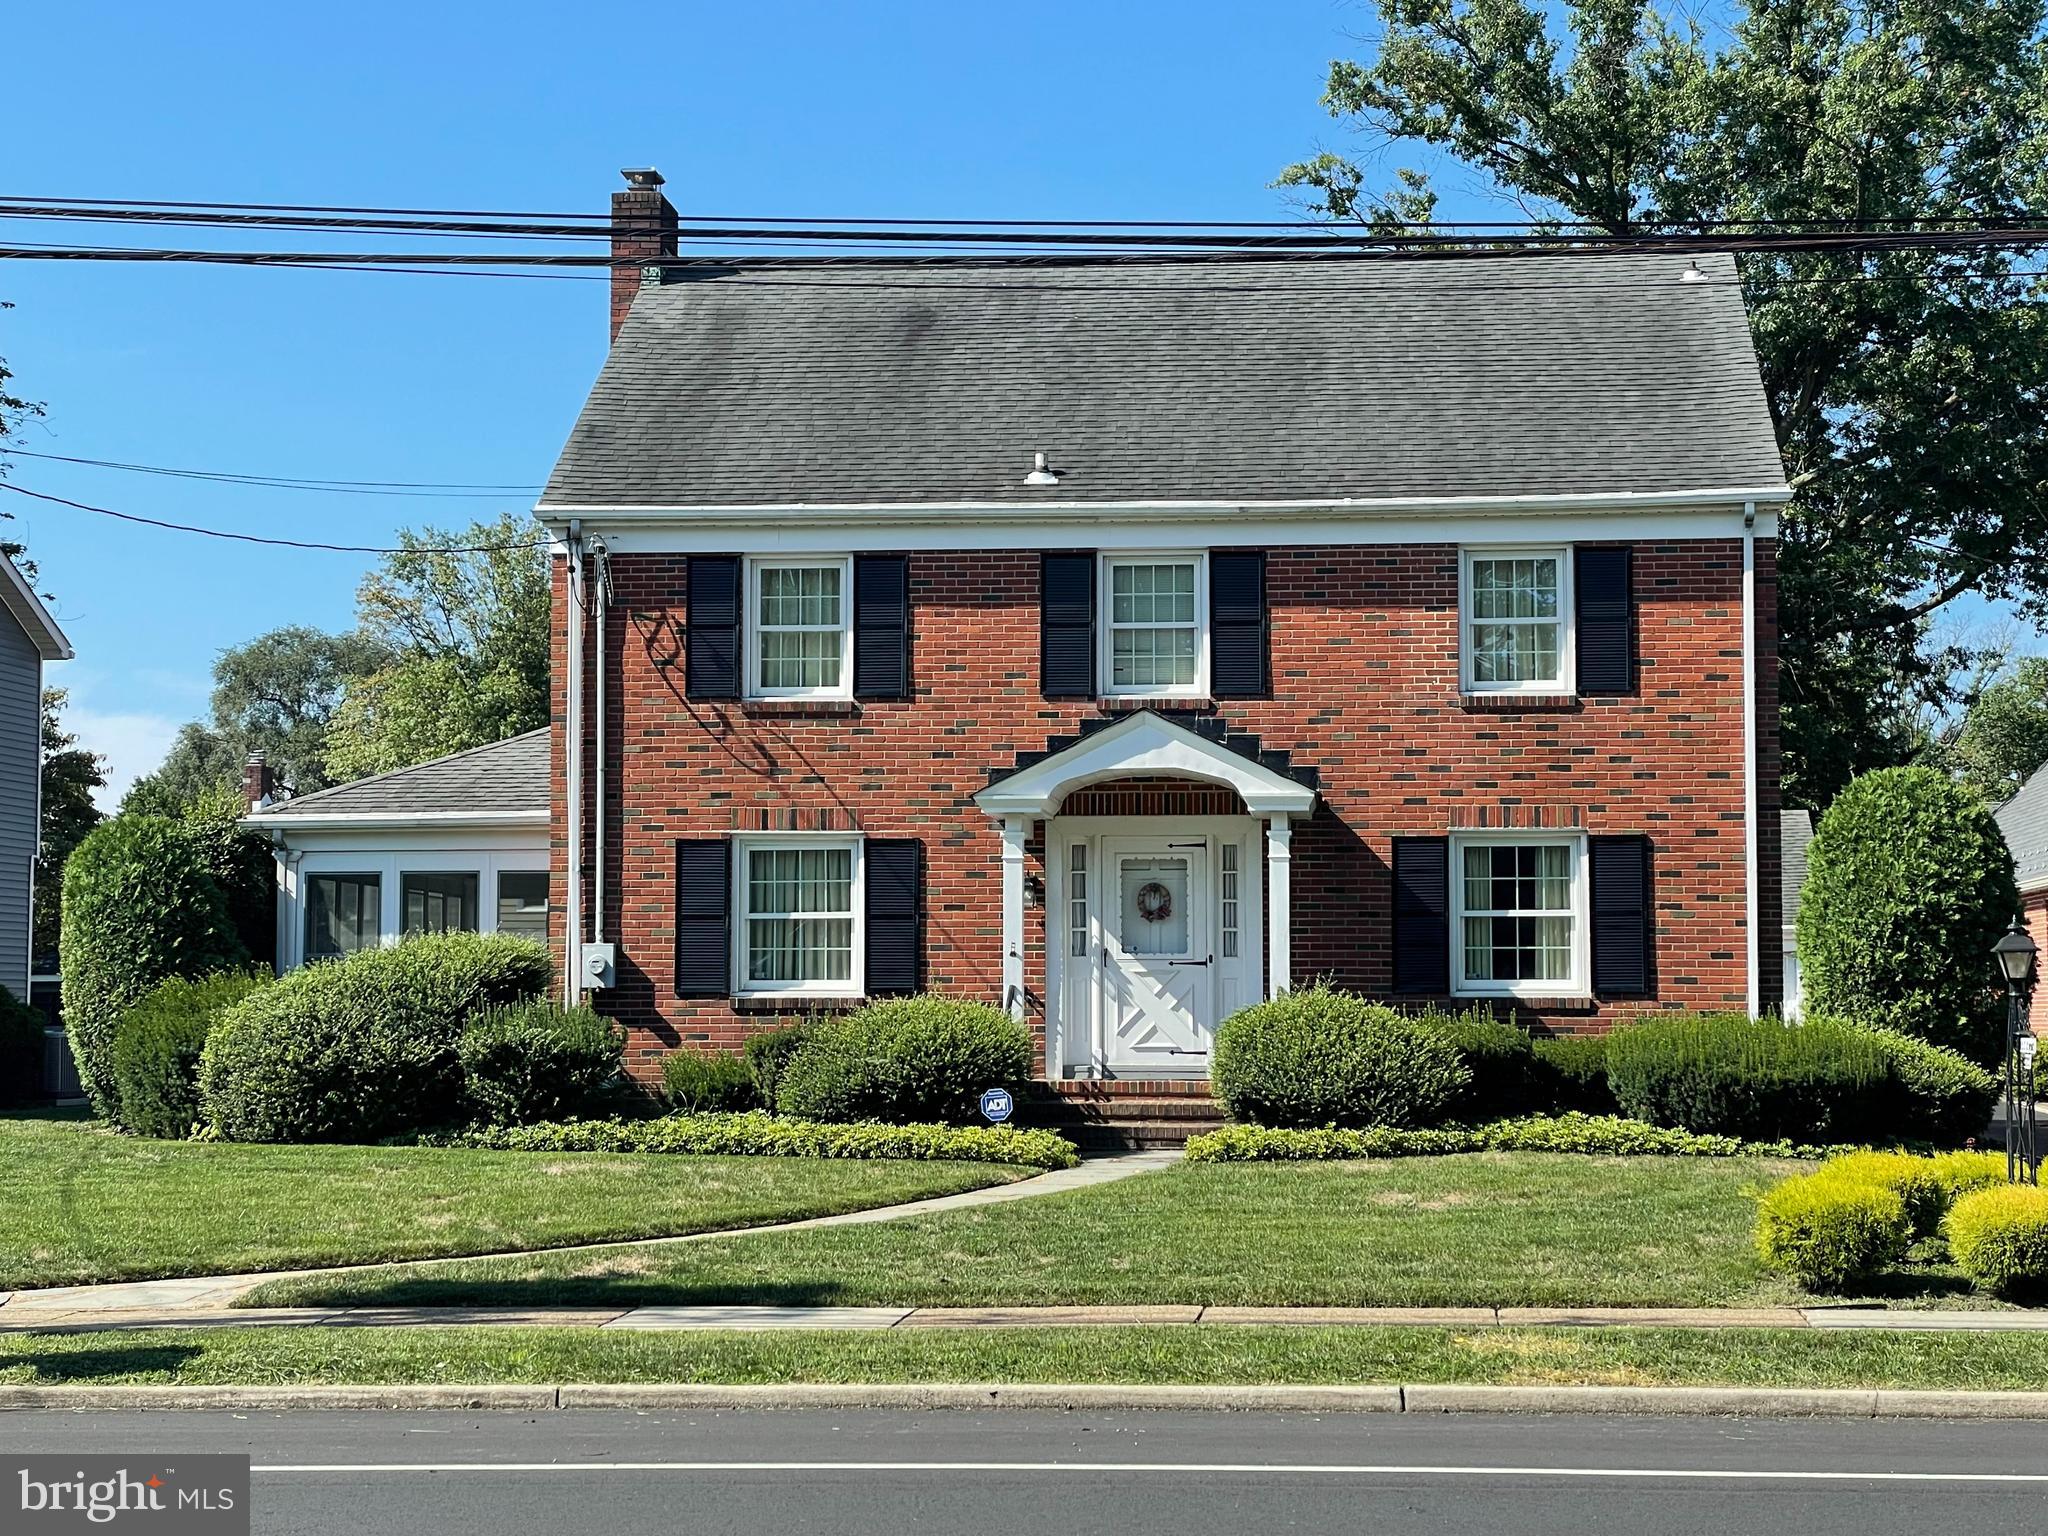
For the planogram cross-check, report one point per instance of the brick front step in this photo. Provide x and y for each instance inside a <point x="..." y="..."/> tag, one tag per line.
<point x="1119" y="1114"/>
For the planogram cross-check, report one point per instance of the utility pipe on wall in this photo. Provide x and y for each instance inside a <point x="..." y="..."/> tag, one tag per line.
<point x="604" y="596"/>
<point x="1753" y="936"/>
<point x="572" y="716"/>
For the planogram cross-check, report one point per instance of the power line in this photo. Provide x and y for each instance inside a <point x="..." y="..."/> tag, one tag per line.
<point x="254" y="538"/>
<point x="452" y="488"/>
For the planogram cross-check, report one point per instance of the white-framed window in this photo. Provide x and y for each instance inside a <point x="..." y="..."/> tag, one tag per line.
<point x="523" y="901"/>
<point x="797" y="901"/>
<point x="438" y="901"/>
<point x="1155" y="629"/>
<point x="1514" y="620"/>
<point x="1077" y="900"/>
<point x="799" y="627"/>
<point x="1518" y="915"/>
<point x="344" y="914"/>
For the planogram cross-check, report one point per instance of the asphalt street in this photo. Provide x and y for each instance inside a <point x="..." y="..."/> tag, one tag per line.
<point x="1132" y="1474"/>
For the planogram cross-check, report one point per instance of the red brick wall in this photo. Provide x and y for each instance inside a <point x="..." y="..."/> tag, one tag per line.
<point x="2034" y="905"/>
<point x="1365" y="673"/>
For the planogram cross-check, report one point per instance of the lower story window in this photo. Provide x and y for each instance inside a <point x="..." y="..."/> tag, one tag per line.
<point x="797" y="928"/>
<point x="438" y="902"/>
<point x="523" y="902"/>
<point x="342" y="915"/>
<point x="1518" y="917"/>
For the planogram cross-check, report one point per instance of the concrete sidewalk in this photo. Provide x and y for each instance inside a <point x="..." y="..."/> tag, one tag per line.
<point x="55" y="1319"/>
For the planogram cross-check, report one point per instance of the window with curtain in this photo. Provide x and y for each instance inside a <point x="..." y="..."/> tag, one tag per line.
<point x="800" y="624"/>
<point x="1518" y="916"/>
<point x="1515" y="624"/>
<point x="523" y="902"/>
<point x="343" y="915"/>
<point x="798" y="926"/>
<point x="438" y="901"/>
<point x="1155" y="625"/>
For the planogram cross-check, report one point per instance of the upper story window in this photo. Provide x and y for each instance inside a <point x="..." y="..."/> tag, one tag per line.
<point x="798" y="917"/>
<point x="1156" y="639"/>
<point x="799" y="619"/>
<point x="1518" y="916"/>
<point x="1515" y="631"/>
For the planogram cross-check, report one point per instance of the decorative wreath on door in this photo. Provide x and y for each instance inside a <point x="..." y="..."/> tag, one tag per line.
<point x="1155" y="902"/>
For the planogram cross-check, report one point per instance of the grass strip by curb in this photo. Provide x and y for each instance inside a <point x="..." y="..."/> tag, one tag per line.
<point x="1647" y="1357"/>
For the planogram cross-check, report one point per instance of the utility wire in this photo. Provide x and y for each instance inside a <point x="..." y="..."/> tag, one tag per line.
<point x="451" y="488"/>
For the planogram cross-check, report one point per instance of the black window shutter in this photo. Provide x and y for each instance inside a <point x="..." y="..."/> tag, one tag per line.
<point x="893" y="873"/>
<point x="1621" y="915"/>
<point x="704" y="917"/>
<point x="1237" y="624"/>
<point x="1422" y="915"/>
<point x="1602" y="585"/>
<point x="711" y="628"/>
<point x="881" y="627"/>
<point x="1067" y="626"/>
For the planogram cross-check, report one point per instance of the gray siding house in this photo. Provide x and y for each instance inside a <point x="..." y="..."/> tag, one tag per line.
<point x="28" y="638"/>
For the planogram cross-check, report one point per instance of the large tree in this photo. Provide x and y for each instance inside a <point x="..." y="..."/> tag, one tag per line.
<point x="1909" y="387"/>
<point x="70" y="775"/>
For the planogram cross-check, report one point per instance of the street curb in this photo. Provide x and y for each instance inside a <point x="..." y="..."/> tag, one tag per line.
<point x="1746" y="1402"/>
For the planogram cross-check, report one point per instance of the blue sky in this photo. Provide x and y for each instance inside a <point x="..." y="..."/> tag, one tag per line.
<point x="1131" y="110"/>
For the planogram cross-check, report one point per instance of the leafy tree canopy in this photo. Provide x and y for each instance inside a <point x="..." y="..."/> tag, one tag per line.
<point x="1907" y="386"/>
<point x="2001" y="739"/>
<point x="70" y="774"/>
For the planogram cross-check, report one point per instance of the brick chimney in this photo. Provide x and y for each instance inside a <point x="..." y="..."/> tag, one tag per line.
<point x="257" y="784"/>
<point x="643" y="230"/>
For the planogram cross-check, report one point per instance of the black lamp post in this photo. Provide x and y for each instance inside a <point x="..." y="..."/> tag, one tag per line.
<point x="2015" y="954"/>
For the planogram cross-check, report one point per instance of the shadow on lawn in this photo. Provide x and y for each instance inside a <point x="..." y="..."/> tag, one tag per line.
<point x="581" y="1291"/>
<point x="99" y="1364"/>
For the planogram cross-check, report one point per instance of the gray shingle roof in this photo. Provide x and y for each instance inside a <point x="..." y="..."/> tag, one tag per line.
<point x="1314" y="379"/>
<point x="504" y="777"/>
<point x="2024" y="821"/>
<point x="1795" y="832"/>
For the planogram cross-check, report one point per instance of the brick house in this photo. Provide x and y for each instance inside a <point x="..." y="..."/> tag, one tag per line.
<point x="1124" y="641"/>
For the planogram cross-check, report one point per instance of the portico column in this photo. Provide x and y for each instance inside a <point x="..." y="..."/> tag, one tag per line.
<point x="1015" y="830"/>
<point x="1279" y="905"/>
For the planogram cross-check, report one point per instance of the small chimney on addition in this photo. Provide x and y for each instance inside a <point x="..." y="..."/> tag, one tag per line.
<point x="643" y="231"/>
<point x="257" y="784"/>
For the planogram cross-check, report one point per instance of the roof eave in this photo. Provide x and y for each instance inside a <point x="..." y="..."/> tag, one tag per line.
<point x="20" y="599"/>
<point x="368" y="821"/>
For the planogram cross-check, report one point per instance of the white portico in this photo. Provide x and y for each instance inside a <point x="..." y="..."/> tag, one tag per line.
<point x="1157" y="926"/>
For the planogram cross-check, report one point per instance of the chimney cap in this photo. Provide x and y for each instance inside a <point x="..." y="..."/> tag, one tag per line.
<point x="645" y="176"/>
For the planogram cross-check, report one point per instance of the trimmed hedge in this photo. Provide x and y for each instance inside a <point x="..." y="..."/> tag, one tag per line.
<point x="365" y="1047"/>
<point x="157" y="1046"/>
<point x="1320" y="1057"/>
<point x="138" y="906"/>
<point x="1754" y="1078"/>
<point x="1908" y="886"/>
<point x="755" y="1134"/>
<point x="707" y="1082"/>
<point x="1943" y="1096"/>
<point x="769" y="1052"/>
<point x="1999" y="1238"/>
<point x="1572" y="1073"/>
<point x="1592" y="1135"/>
<point x="21" y="1049"/>
<point x="1505" y="1078"/>
<point x="905" y="1060"/>
<point x="536" y="1061"/>
<point x="1830" y="1232"/>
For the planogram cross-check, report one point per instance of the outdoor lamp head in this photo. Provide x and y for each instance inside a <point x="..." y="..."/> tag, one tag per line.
<point x="2015" y="952"/>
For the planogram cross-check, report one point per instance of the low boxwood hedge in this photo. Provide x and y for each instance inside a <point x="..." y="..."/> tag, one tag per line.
<point x="1830" y="1231"/>
<point x="1498" y="1053"/>
<point x="905" y="1060"/>
<point x="707" y="1082"/>
<point x="536" y="1061"/>
<point x="1753" y="1078"/>
<point x="1592" y="1135"/>
<point x="157" y="1046"/>
<point x="1320" y="1057"/>
<point x="755" y="1134"/>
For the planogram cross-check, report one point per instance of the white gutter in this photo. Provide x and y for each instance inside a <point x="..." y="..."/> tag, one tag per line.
<point x="604" y="587"/>
<point x="572" y="895"/>
<point x="1752" y="884"/>
<point x="342" y="821"/>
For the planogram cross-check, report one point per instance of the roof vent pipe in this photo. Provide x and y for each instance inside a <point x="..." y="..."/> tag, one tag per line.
<point x="1041" y="472"/>
<point x="1692" y="273"/>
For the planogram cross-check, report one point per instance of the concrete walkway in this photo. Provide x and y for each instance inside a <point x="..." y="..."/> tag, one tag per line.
<point x="211" y="1292"/>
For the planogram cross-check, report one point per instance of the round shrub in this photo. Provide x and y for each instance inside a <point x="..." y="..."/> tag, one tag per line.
<point x="535" y="1061"/>
<point x="1506" y="1080"/>
<point x="1908" y="886"/>
<point x="365" y="1047"/>
<point x="1964" y="1173"/>
<point x="1913" y="1179"/>
<point x="21" y="1048"/>
<point x="905" y="1060"/>
<point x="157" y="1045"/>
<point x="1573" y="1073"/>
<point x="138" y="906"/>
<point x="769" y="1052"/>
<point x="1758" y="1079"/>
<point x="707" y="1082"/>
<point x="1326" y="1058"/>
<point x="1830" y="1233"/>
<point x="2000" y="1239"/>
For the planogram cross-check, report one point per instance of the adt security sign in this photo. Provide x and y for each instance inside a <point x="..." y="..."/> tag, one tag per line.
<point x="996" y="1105"/>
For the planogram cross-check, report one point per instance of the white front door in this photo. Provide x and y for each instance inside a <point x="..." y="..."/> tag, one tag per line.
<point x="1158" y="964"/>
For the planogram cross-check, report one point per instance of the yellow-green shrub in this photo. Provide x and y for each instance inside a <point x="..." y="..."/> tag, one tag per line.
<point x="1964" y="1173"/>
<point x="1913" y="1179"/>
<point x="2000" y="1239"/>
<point x="1828" y="1232"/>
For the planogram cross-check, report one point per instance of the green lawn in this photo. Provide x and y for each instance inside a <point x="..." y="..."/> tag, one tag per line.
<point x="1228" y="1355"/>
<point x="83" y="1203"/>
<point x="1511" y="1229"/>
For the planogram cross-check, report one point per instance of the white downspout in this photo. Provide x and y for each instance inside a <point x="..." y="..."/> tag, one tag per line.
<point x="604" y="593"/>
<point x="572" y="714"/>
<point x="1752" y="885"/>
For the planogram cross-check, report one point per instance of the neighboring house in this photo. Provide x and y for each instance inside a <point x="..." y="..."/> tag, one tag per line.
<point x="2024" y="821"/>
<point x="1795" y="833"/>
<point x="28" y="638"/>
<point x="1123" y="641"/>
<point x="460" y="843"/>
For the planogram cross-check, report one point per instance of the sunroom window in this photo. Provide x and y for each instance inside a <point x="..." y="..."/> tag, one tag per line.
<point x="1155" y="629"/>
<point x="797" y="646"/>
<point x="798" y="917"/>
<point x="1519" y="917"/>
<point x="343" y="915"/>
<point x="1516" y="638"/>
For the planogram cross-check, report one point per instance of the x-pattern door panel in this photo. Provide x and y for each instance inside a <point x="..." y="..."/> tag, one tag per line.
<point x="1158" y="965"/>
